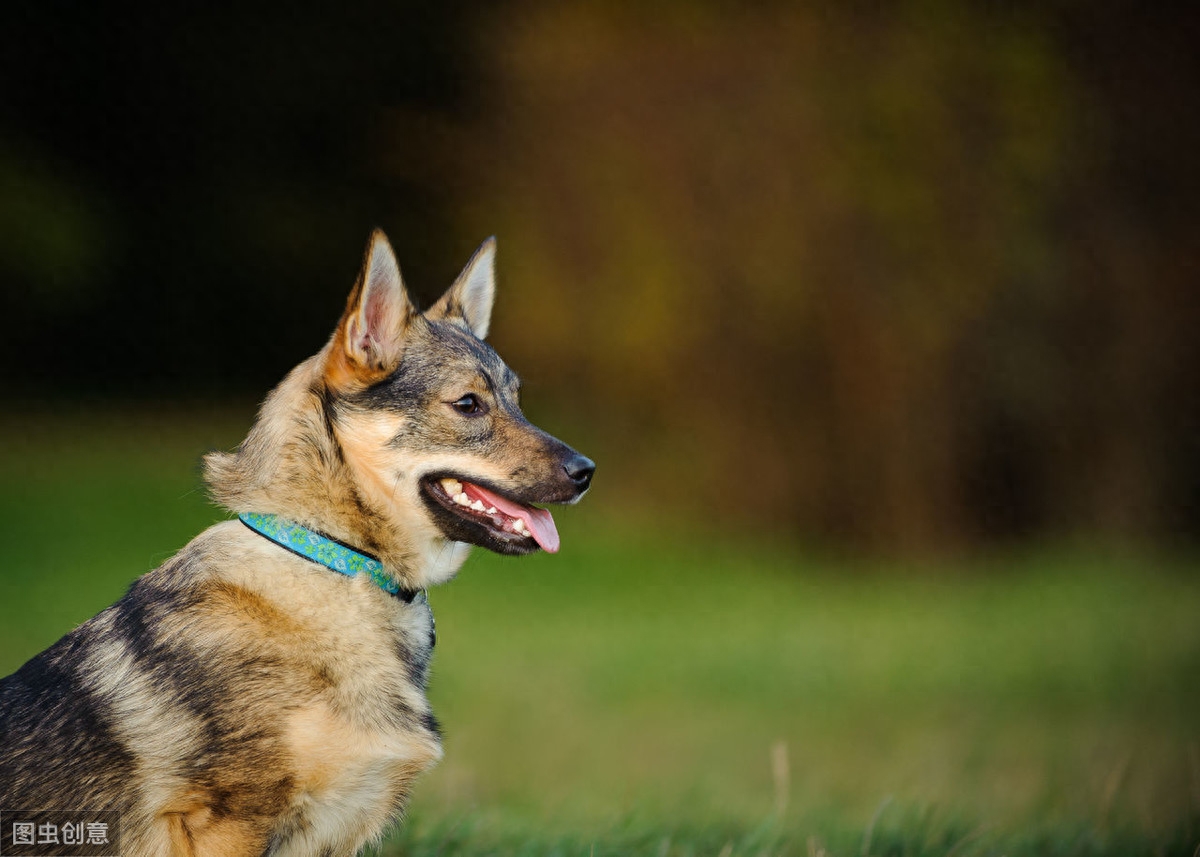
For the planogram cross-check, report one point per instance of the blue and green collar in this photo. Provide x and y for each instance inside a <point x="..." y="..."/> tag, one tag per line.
<point x="324" y="550"/>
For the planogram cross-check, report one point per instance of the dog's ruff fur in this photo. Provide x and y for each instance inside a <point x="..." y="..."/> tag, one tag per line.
<point x="242" y="700"/>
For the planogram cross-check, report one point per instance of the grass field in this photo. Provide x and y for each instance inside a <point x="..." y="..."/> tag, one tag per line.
<point x="650" y="693"/>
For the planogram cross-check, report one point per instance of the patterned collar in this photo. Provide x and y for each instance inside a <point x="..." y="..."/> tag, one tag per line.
<point x="324" y="551"/>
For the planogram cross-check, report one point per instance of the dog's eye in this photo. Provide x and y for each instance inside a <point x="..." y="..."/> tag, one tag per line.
<point x="468" y="404"/>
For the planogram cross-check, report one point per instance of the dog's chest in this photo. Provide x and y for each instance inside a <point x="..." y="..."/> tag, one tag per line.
<point x="379" y="679"/>
<point x="416" y="639"/>
<point x="359" y="748"/>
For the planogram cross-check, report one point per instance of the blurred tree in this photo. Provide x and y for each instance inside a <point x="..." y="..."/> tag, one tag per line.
<point x="827" y="267"/>
<point x="1131" y="398"/>
<point x="904" y="277"/>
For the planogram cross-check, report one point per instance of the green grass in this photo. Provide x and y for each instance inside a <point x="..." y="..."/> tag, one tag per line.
<point x="628" y="696"/>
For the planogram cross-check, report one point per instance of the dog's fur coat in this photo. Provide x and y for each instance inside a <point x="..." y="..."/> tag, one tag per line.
<point x="242" y="700"/>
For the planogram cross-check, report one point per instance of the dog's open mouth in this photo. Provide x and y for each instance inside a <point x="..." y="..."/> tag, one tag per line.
<point x="508" y="522"/>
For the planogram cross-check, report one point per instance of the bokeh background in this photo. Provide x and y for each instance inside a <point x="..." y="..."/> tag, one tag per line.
<point x="879" y="320"/>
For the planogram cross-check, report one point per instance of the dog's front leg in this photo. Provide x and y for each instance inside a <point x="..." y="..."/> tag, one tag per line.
<point x="198" y="832"/>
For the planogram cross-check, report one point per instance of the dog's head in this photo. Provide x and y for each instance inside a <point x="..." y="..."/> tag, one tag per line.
<point x="404" y="435"/>
<point x="428" y="416"/>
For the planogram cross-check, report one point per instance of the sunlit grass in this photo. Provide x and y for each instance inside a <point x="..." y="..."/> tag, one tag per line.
<point x="625" y="695"/>
<point x="630" y="676"/>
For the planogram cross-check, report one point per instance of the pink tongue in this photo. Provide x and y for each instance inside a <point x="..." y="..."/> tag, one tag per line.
<point x="539" y="522"/>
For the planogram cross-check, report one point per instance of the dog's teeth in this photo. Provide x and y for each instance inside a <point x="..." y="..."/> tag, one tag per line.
<point x="462" y="499"/>
<point x="477" y="505"/>
<point x="451" y="486"/>
<point x="491" y="510"/>
<point x="519" y="526"/>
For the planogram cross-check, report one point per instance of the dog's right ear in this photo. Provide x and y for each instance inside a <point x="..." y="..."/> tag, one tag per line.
<point x="370" y="336"/>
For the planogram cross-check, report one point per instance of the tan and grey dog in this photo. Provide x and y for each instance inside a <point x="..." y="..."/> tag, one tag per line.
<point x="244" y="699"/>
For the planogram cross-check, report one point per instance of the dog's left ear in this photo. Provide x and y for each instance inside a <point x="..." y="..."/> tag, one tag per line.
<point x="471" y="297"/>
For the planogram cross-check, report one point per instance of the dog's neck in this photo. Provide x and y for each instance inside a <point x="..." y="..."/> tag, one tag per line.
<point x="292" y="464"/>
<point x="322" y="550"/>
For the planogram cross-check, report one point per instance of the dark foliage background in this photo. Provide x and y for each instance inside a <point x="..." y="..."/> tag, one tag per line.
<point x="903" y="278"/>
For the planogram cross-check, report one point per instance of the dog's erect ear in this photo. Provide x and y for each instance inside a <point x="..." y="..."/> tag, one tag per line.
<point x="471" y="297"/>
<point x="370" y="336"/>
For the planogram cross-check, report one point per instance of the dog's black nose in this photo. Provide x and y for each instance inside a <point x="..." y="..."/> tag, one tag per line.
<point x="580" y="469"/>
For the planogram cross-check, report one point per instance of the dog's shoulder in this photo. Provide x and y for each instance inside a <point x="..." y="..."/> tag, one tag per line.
<point x="234" y="658"/>
<point x="232" y="598"/>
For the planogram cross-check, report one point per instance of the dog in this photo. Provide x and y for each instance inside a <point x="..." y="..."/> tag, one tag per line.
<point x="263" y="692"/>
